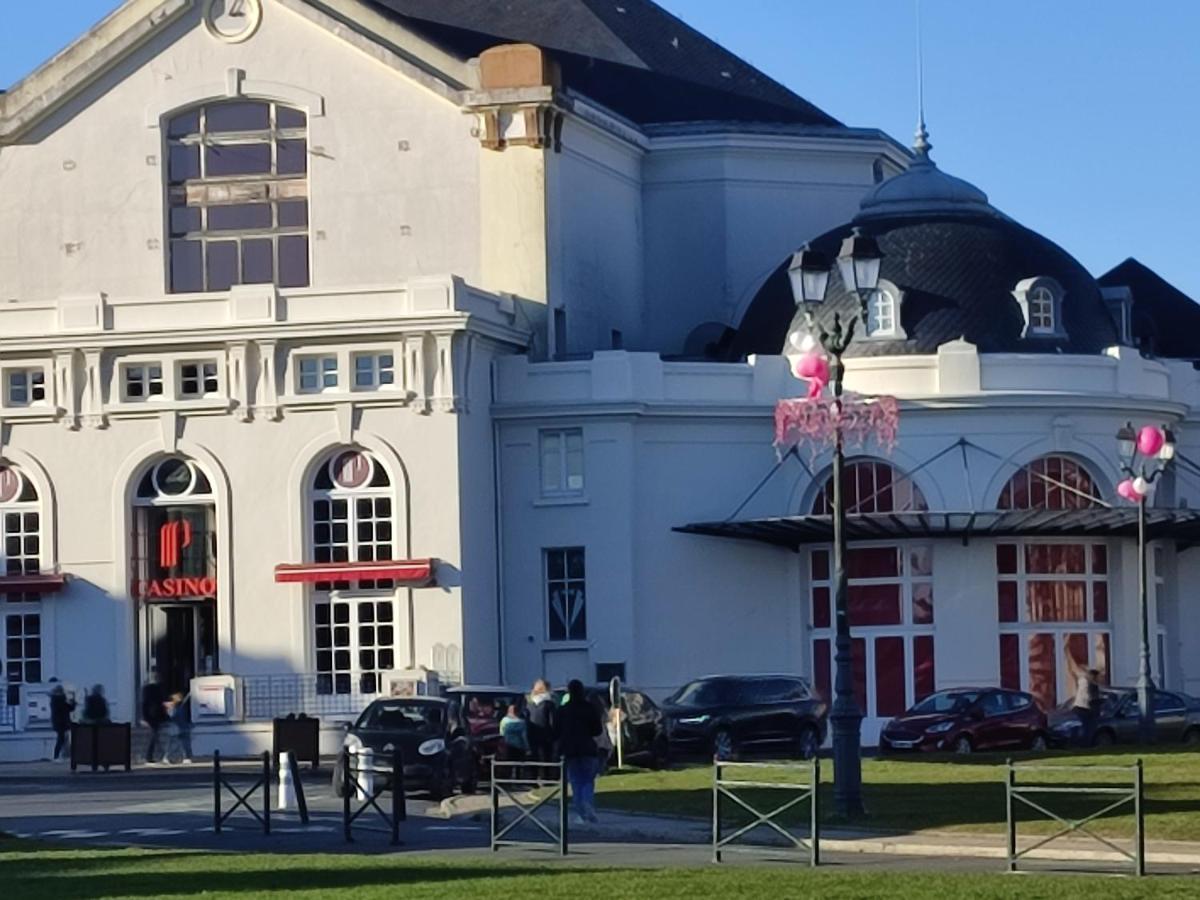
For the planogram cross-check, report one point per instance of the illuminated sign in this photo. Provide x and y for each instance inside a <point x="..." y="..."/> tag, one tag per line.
<point x="175" y="588"/>
<point x="173" y="539"/>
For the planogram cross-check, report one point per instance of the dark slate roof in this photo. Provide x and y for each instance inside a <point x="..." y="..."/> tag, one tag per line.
<point x="957" y="274"/>
<point x="1166" y="321"/>
<point x="629" y="55"/>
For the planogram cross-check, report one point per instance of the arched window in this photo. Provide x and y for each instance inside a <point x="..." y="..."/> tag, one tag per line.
<point x="174" y="565"/>
<point x="1052" y="482"/>
<point x="889" y="598"/>
<point x="1052" y="596"/>
<point x="352" y="504"/>
<point x="237" y="195"/>
<point x="21" y="516"/>
<point x="882" y="313"/>
<point x="1041" y="311"/>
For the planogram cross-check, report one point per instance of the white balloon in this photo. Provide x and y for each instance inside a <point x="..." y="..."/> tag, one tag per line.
<point x="1141" y="486"/>
<point x="802" y="341"/>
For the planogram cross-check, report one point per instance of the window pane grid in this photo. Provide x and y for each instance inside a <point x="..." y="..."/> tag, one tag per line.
<point x="562" y="462"/>
<point x="355" y="643"/>
<point x="143" y="381"/>
<point x="566" y="594"/>
<point x="374" y="370"/>
<point x="26" y="386"/>
<point x="317" y="373"/>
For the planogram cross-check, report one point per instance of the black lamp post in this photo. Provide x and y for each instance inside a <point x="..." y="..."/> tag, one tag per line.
<point x="858" y="262"/>
<point x="1145" y="469"/>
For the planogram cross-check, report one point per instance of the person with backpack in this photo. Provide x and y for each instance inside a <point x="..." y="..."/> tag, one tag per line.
<point x="154" y="714"/>
<point x="61" y="707"/>
<point x="579" y="725"/>
<point x="542" y="712"/>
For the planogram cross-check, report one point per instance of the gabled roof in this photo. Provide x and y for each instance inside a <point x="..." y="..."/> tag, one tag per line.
<point x="630" y="55"/>
<point x="1166" y="321"/>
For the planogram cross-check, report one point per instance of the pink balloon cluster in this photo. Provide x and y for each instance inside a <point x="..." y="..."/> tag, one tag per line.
<point x="813" y="367"/>
<point x="1134" y="489"/>
<point x="1150" y="440"/>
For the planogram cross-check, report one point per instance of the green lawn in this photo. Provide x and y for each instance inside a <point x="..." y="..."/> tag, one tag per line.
<point x="62" y="874"/>
<point x="944" y="794"/>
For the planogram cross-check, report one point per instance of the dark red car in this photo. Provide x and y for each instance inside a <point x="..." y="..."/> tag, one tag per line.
<point x="964" y="720"/>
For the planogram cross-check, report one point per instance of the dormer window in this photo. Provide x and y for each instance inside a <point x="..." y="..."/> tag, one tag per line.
<point x="1041" y="304"/>
<point x="883" y="312"/>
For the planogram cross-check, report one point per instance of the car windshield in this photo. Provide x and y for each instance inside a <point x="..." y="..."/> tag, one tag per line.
<point x="402" y="716"/>
<point x="486" y="709"/>
<point x="945" y="702"/>
<point x="699" y="693"/>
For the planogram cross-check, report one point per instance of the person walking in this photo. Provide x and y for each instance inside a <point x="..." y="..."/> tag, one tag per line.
<point x="1087" y="705"/>
<point x="541" y="722"/>
<point x="579" y="725"/>
<point x="95" y="707"/>
<point x="154" y="714"/>
<point x="179" y="725"/>
<point x="61" y="707"/>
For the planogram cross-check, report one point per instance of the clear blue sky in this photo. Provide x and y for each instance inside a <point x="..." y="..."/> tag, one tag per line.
<point x="1078" y="117"/>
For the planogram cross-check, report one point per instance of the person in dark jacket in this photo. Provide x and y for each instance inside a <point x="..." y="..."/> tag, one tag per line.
<point x="541" y="711"/>
<point x="578" y="727"/>
<point x="61" y="707"/>
<point x="95" y="707"/>
<point x="154" y="714"/>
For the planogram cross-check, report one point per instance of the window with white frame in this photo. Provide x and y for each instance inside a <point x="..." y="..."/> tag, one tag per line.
<point x="142" y="381"/>
<point x="1041" y="310"/>
<point x="199" y="378"/>
<point x="374" y="370"/>
<point x="352" y="520"/>
<point x="562" y="462"/>
<point x="21" y="521"/>
<point x="25" y="387"/>
<point x="889" y="598"/>
<point x="315" y="374"/>
<point x="566" y="594"/>
<point x="882" y="313"/>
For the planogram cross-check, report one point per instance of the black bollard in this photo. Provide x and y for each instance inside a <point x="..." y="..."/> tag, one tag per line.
<point x="346" y="795"/>
<point x="266" y="758"/>
<point x="563" y="808"/>
<point x="398" y="801"/>
<point x="217" y="791"/>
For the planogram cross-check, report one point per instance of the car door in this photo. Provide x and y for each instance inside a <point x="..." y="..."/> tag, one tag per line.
<point x="1124" y="721"/>
<point x="994" y="728"/>
<point x="1170" y="716"/>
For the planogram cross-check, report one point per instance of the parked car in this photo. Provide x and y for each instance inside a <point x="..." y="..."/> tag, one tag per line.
<point x="643" y="725"/>
<point x="964" y="720"/>
<point x="1176" y="718"/>
<point x="483" y="706"/>
<point x="433" y="739"/>
<point x="729" y="715"/>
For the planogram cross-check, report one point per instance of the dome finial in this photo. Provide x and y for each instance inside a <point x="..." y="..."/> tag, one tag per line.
<point x="921" y="145"/>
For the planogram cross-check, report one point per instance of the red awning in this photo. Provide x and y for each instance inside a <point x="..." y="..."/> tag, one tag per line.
<point x="412" y="572"/>
<point x="33" y="583"/>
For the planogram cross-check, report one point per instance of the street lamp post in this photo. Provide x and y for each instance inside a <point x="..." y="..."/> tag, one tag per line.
<point x="1144" y="464"/>
<point x="858" y="262"/>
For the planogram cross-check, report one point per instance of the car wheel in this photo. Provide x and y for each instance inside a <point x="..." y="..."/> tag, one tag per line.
<point x="339" y="782"/>
<point x="723" y="749"/>
<point x="1103" y="738"/>
<point x="807" y="743"/>
<point x="962" y="746"/>
<point x="1038" y="744"/>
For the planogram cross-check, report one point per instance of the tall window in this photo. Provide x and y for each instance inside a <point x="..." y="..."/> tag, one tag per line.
<point x="1041" y="310"/>
<point x="20" y="516"/>
<point x="889" y="599"/>
<point x="881" y="313"/>
<point x="562" y="462"/>
<point x="1052" y="597"/>
<point x="237" y="190"/>
<point x="566" y="594"/>
<point x="354" y="631"/>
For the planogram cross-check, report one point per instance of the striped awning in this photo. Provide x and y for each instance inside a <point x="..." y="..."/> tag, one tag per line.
<point x="411" y="572"/>
<point x="1181" y="525"/>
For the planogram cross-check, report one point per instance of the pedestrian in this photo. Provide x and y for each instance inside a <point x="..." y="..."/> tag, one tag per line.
<point x="154" y="714"/>
<point x="542" y="713"/>
<point x="61" y="707"/>
<point x="1087" y="705"/>
<point x="95" y="707"/>
<point x="579" y="724"/>
<point x="514" y="735"/>
<point x="179" y="728"/>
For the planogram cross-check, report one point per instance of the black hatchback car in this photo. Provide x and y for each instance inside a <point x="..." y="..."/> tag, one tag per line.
<point x="433" y="739"/>
<point x="730" y="715"/>
<point x="1176" y="718"/>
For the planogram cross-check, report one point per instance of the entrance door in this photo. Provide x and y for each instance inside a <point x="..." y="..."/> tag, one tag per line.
<point x="181" y="642"/>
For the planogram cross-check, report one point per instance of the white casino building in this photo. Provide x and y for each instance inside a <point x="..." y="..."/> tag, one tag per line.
<point x="346" y="337"/>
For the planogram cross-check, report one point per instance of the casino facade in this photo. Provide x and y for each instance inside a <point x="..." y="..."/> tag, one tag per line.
<point x="357" y="343"/>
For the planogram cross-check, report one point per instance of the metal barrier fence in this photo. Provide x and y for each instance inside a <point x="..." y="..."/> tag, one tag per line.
<point x="360" y="780"/>
<point x="726" y="787"/>
<point x="220" y="784"/>
<point x="1020" y="794"/>
<point x="519" y="778"/>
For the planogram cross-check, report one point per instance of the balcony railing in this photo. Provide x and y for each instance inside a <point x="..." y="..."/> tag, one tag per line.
<point x="277" y="696"/>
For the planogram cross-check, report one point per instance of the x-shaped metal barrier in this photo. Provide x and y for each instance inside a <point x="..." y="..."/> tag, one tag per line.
<point x="371" y="791"/>
<point x="1020" y="794"/>
<point x="523" y="776"/>
<point x="242" y="798"/>
<point x="726" y="787"/>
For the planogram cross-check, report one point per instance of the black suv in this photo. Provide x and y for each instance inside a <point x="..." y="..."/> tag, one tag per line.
<point x="727" y="715"/>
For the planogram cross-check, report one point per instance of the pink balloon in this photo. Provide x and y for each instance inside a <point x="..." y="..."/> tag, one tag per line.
<point x="1125" y="489"/>
<point x="814" y="368"/>
<point x="1150" y="440"/>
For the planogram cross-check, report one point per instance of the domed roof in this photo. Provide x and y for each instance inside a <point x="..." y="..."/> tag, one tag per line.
<point x="956" y="263"/>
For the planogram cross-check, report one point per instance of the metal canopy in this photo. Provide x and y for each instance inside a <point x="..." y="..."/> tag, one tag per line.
<point x="1182" y="525"/>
